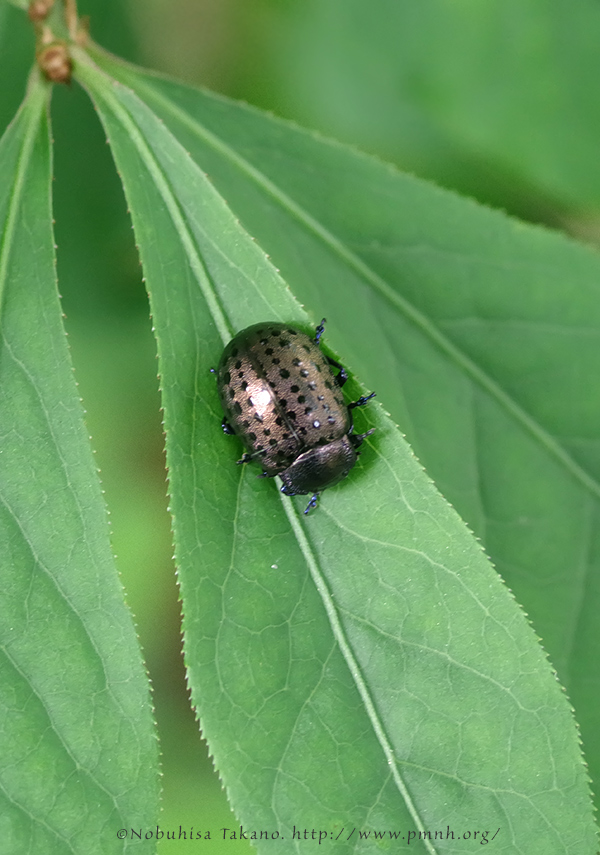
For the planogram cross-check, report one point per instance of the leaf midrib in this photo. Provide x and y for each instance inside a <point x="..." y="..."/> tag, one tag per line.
<point x="354" y="667"/>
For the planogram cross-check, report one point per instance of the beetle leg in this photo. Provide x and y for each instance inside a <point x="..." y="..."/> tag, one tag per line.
<point x="343" y="375"/>
<point x="227" y="428"/>
<point x="320" y="330"/>
<point x="312" y="503"/>
<point x="357" y="439"/>
<point x="361" y="401"/>
<point x="340" y="378"/>
<point x="248" y="458"/>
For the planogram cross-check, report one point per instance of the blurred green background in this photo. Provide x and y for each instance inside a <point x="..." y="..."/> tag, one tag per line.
<point x="497" y="100"/>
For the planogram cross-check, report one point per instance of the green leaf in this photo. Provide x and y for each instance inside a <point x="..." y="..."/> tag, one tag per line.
<point x="486" y="337"/>
<point x="362" y="668"/>
<point x="78" y="751"/>
<point x="20" y="4"/>
<point x="493" y="98"/>
<point x="15" y="49"/>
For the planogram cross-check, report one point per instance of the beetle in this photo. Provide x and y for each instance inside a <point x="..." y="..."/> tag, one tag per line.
<point x="282" y="398"/>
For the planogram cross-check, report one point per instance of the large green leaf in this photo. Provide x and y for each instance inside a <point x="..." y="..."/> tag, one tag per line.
<point x="486" y="351"/>
<point x="78" y="754"/>
<point x="362" y="668"/>
<point x="496" y="98"/>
